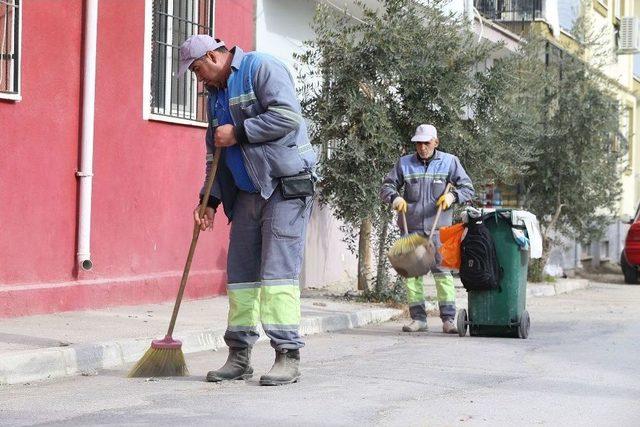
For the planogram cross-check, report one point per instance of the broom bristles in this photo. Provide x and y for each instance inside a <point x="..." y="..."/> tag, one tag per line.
<point x="407" y="244"/>
<point x="160" y="362"/>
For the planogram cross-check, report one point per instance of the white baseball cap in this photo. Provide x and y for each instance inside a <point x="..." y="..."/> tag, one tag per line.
<point x="425" y="133"/>
<point x="196" y="47"/>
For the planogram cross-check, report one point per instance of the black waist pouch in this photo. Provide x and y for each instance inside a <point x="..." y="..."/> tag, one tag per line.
<point x="301" y="185"/>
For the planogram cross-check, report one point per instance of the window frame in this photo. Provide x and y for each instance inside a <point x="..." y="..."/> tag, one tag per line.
<point x="147" y="113"/>
<point x="17" y="95"/>
<point x="629" y="110"/>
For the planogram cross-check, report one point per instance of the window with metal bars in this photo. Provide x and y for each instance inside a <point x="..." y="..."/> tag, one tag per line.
<point x="9" y="46"/>
<point x="173" y="22"/>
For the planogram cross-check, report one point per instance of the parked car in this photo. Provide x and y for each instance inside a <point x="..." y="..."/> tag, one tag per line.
<point x="630" y="256"/>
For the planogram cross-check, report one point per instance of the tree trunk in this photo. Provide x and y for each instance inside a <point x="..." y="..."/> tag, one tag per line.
<point x="364" y="254"/>
<point x="537" y="266"/>
<point x="546" y="251"/>
<point x="381" y="277"/>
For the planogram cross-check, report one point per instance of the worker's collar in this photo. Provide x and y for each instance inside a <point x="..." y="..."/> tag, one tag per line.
<point x="238" y="56"/>
<point x="435" y="155"/>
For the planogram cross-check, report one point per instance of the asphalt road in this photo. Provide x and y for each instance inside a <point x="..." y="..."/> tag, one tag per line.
<point x="580" y="366"/>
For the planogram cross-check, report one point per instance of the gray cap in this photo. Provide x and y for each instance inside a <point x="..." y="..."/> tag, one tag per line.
<point x="196" y="47"/>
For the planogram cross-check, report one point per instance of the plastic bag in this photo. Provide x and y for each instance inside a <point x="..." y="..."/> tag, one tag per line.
<point x="451" y="239"/>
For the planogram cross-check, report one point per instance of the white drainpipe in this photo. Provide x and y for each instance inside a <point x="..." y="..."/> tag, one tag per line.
<point x="85" y="174"/>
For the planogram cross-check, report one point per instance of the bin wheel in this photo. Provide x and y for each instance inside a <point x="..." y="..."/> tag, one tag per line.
<point x="462" y="322"/>
<point x="523" y="328"/>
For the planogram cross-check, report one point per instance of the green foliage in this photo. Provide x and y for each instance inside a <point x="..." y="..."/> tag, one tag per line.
<point x="572" y="183"/>
<point x="509" y="113"/>
<point x="393" y="293"/>
<point x="535" y="273"/>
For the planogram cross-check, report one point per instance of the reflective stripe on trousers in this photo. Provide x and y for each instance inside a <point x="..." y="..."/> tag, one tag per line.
<point x="445" y="291"/>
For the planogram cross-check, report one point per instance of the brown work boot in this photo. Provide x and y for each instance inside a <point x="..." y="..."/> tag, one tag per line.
<point x="285" y="369"/>
<point x="237" y="366"/>
<point x="449" y="327"/>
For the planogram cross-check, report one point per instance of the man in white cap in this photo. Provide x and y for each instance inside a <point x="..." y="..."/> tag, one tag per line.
<point x="424" y="176"/>
<point x="265" y="184"/>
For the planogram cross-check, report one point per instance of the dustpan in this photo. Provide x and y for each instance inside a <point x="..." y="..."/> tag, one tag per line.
<point x="414" y="255"/>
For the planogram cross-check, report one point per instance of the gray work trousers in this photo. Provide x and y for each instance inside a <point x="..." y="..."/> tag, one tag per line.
<point x="266" y="247"/>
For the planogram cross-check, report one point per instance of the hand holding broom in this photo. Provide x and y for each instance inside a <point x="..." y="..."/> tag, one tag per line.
<point x="165" y="357"/>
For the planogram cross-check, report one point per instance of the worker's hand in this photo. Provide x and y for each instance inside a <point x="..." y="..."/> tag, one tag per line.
<point x="446" y="200"/>
<point x="399" y="204"/>
<point x="206" y="222"/>
<point x="225" y="136"/>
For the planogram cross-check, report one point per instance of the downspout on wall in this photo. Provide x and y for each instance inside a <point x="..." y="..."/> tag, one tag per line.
<point x="85" y="174"/>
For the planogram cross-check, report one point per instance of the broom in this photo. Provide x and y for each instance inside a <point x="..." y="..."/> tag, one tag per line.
<point x="165" y="357"/>
<point x="407" y="243"/>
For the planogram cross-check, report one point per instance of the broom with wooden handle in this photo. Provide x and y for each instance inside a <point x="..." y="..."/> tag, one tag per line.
<point x="165" y="357"/>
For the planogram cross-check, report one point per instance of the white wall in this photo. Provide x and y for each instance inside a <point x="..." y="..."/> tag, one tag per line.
<point x="282" y="26"/>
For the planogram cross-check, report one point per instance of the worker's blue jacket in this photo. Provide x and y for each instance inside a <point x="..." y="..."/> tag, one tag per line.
<point x="269" y="127"/>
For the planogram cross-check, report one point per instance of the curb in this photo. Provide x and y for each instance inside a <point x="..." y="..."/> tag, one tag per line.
<point x="562" y="286"/>
<point x="87" y="359"/>
<point x="566" y="286"/>
<point x="540" y="290"/>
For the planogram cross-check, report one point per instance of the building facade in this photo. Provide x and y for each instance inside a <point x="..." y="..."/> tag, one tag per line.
<point x="147" y="151"/>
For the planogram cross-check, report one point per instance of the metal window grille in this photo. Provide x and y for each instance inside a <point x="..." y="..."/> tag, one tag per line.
<point x="9" y="46"/>
<point x="173" y="22"/>
<point x="511" y="10"/>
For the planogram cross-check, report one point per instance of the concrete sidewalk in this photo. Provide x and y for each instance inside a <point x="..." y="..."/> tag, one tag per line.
<point x="81" y="343"/>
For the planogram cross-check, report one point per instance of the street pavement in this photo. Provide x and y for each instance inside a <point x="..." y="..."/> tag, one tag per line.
<point x="580" y="366"/>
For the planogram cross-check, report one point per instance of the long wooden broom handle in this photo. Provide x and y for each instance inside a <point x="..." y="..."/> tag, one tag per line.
<point x="194" y="240"/>
<point x="403" y="216"/>
<point x="435" y="223"/>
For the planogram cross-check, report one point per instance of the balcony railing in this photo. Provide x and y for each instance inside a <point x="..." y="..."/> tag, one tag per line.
<point x="511" y="10"/>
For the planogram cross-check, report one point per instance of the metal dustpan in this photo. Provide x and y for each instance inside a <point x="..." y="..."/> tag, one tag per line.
<point x="413" y="255"/>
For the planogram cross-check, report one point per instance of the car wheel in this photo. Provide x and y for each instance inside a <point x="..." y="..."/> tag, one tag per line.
<point x="630" y="272"/>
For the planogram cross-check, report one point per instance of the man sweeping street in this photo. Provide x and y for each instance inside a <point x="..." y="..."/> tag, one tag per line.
<point x="265" y="185"/>
<point x="424" y="176"/>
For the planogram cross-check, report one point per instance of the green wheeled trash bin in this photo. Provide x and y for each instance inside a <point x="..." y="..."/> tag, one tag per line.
<point x="500" y="312"/>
